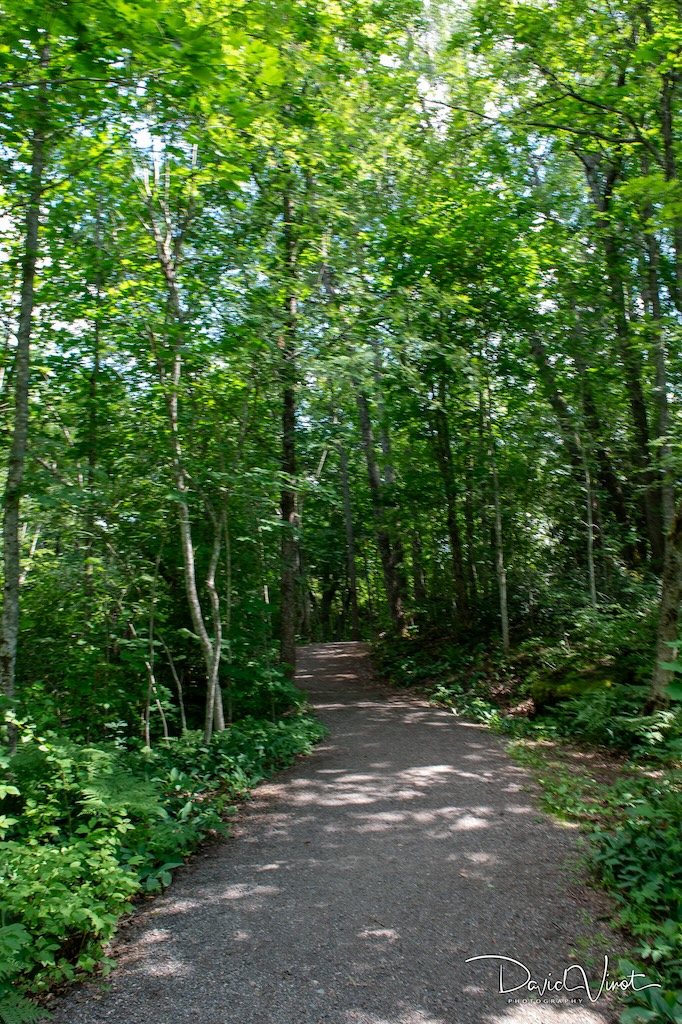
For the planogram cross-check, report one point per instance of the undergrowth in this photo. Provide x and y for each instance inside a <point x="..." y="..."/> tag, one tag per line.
<point x="86" y="828"/>
<point x="588" y="688"/>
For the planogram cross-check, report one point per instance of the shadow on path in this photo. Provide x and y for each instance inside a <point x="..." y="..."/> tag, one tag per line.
<point x="358" y="883"/>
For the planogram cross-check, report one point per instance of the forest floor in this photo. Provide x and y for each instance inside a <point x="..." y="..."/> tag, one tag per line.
<point x="356" y="885"/>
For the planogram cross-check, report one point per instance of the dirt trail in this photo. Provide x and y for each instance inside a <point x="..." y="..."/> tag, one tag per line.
<point x="358" y="882"/>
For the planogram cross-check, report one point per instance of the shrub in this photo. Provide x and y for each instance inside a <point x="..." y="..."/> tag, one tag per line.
<point x="86" y="828"/>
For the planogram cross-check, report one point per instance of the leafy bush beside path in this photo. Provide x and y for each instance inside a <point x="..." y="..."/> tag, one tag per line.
<point x="86" y="828"/>
<point x="586" y="689"/>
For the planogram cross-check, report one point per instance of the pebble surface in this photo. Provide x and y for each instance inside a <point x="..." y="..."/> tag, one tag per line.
<point x="357" y="884"/>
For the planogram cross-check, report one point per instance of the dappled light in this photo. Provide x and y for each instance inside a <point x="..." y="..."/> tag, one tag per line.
<point x="341" y="357"/>
<point x="359" y="883"/>
<point x="528" y="1013"/>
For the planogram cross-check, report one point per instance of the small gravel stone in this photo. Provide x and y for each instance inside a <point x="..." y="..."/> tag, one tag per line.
<point x="407" y="844"/>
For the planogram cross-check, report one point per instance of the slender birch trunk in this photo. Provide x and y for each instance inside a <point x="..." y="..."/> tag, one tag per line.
<point x="168" y="253"/>
<point x="228" y="608"/>
<point x="214" y="704"/>
<point x="589" y="497"/>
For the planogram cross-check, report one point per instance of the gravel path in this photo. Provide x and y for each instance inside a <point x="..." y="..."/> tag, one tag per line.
<point x="358" y="882"/>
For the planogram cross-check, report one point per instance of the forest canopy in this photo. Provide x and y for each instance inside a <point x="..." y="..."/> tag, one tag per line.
<point x="334" y="321"/>
<point x="322" y="320"/>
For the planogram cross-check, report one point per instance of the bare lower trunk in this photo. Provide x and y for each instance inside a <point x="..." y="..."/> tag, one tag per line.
<point x="289" y="550"/>
<point x="304" y="595"/>
<point x="669" y="611"/>
<point x="228" y="608"/>
<point x="469" y="500"/>
<point x="418" y="574"/>
<point x="386" y="552"/>
<point x="191" y="589"/>
<point x="441" y="438"/>
<point x="178" y="686"/>
<point x="214" y="702"/>
<point x="17" y="454"/>
<point x="500" y="570"/>
<point x="350" y="545"/>
<point x="589" y="498"/>
<point x="210" y="649"/>
<point x="391" y="503"/>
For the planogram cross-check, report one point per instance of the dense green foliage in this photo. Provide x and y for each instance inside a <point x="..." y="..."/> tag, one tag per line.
<point x="586" y="690"/>
<point x="324" y="320"/>
<point x="87" y="828"/>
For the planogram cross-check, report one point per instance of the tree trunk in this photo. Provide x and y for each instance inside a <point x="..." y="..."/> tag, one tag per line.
<point x="93" y="388"/>
<point x="391" y="503"/>
<point x="500" y="570"/>
<point x="557" y="402"/>
<point x="215" y="718"/>
<point x="304" y="593"/>
<point x="441" y="439"/>
<point x="170" y="385"/>
<point x="17" y="454"/>
<point x="631" y="363"/>
<point x="350" y="545"/>
<point x="228" y="606"/>
<point x="418" y="574"/>
<point x="607" y="476"/>
<point x="670" y="169"/>
<point x="652" y="303"/>
<point x="209" y="649"/>
<point x="178" y="685"/>
<point x="93" y="383"/>
<point x="589" y="498"/>
<point x="386" y="553"/>
<point x="669" y="611"/>
<point x="288" y="494"/>
<point x="629" y="358"/>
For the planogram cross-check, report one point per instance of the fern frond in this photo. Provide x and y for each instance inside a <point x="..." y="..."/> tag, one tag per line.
<point x="16" y="1009"/>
